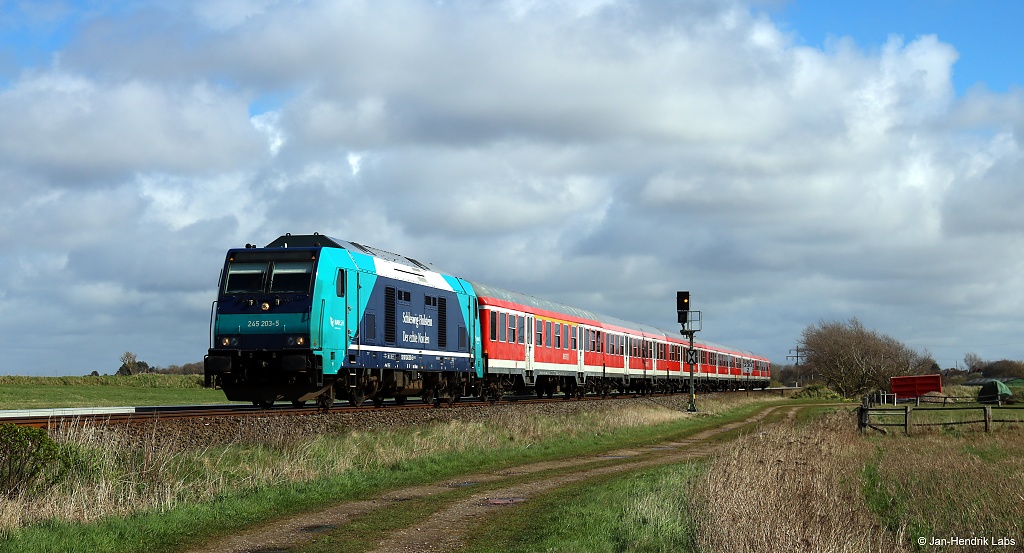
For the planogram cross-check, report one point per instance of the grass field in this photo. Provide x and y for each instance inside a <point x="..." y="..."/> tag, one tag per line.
<point x="805" y="485"/>
<point x="28" y="392"/>
<point x="160" y="498"/>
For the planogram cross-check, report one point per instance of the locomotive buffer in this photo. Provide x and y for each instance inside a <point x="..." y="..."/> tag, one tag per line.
<point x="691" y="323"/>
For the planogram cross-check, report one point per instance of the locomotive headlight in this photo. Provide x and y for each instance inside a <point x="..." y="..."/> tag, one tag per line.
<point x="265" y="306"/>
<point x="300" y="341"/>
<point x="228" y="341"/>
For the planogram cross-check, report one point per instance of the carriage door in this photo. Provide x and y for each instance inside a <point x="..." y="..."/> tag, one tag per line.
<point x="577" y="332"/>
<point x="529" y="342"/>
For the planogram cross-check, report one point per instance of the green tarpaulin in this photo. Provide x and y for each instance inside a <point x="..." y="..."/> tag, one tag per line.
<point x="993" y="392"/>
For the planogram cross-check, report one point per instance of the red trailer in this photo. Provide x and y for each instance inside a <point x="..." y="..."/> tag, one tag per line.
<point x="915" y="386"/>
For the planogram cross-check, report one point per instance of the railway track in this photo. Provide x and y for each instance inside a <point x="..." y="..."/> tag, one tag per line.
<point x="51" y="418"/>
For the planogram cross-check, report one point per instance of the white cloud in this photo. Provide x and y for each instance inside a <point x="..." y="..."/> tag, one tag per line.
<point x="268" y="124"/>
<point x="76" y="129"/>
<point x="600" y="152"/>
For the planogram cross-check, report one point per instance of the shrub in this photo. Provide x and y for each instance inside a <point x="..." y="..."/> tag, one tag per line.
<point x="30" y="461"/>
<point x="816" y="391"/>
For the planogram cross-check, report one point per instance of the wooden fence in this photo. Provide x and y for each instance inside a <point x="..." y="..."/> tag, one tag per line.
<point x="910" y="416"/>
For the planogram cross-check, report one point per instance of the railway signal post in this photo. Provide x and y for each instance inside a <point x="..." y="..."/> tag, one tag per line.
<point x="691" y="322"/>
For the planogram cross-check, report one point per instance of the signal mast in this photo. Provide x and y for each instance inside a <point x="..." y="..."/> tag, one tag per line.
<point x="691" y="323"/>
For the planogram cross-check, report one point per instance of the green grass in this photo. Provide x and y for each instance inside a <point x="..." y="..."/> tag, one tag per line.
<point x="646" y="510"/>
<point x="25" y="392"/>
<point x="46" y="397"/>
<point x="192" y="522"/>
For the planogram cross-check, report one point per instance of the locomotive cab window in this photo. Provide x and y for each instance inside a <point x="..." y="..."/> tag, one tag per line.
<point x="340" y="283"/>
<point x="291" y="276"/>
<point x="245" y="278"/>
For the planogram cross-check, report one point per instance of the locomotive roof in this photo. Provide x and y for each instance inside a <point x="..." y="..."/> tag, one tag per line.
<point x="323" y="241"/>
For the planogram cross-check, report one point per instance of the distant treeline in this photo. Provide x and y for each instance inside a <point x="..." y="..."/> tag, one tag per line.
<point x="131" y="364"/>
<point x="148" y="380"/>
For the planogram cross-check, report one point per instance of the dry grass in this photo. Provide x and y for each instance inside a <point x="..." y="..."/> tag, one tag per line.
<point x="791" y="490"/>
<point x="960" y="485"/>
<point x="121" y="474"/>
<point x="824" y="487"/>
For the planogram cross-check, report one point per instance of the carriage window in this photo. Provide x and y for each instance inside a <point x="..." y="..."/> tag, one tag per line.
<point x="512" y="328"/>
<point x="540" y="333"/>
<point x="522" y="329"/>
<point x="501" y="327"/>
<point x="547" y="334"/>
<point x="558" y="336"/>
<point x="494" y="326"/>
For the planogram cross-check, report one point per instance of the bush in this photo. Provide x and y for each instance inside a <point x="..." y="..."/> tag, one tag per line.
<point x="816" y="391"/>
<point x="30" y="461"/>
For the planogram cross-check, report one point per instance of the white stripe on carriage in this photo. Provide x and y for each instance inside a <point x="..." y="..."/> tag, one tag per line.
<point x="407" y="351"/>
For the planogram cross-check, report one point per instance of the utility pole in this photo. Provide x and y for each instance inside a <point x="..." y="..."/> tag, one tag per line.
<point x="800" y="354"/>
<point x="691" y="322"/>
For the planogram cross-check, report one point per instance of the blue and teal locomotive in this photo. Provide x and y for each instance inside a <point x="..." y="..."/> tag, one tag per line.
<point x="310" y="317"/>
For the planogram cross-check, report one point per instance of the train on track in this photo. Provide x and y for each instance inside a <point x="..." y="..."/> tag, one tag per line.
<point x="313" y="318"/>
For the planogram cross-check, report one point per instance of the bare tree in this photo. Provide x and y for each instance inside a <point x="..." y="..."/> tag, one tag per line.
<point x="854" y="360"/>
<point x="129" y="362"/>
<point x="973" y="362"/>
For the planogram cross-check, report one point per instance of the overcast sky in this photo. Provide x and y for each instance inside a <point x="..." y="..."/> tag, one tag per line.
<point x="785" y="162"/>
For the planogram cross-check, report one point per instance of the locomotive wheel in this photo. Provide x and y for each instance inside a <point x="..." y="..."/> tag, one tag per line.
<point x="326" y="399"/>
<point x="356" y="397"/>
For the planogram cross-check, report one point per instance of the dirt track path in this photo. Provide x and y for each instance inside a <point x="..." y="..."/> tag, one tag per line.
<point x="443" y="531"/>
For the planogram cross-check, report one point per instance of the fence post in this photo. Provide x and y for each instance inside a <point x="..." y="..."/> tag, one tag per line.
<point x="988" y="418"/>
<point x="907" y="419"/>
